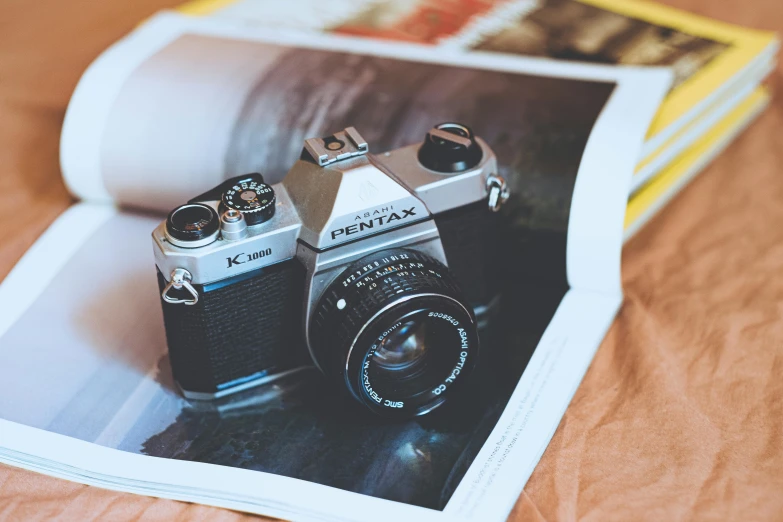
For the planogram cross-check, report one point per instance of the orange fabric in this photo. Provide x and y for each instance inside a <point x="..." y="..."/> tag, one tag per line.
<point x="28" y="496"/>
<point x="681" y="413"/>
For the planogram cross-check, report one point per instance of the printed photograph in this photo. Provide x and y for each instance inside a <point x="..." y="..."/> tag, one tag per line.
<point x="560" y="29"/>
<point x="424" y="21"/>
<point x="108" y="360"/>
<point x="571" y="30"/>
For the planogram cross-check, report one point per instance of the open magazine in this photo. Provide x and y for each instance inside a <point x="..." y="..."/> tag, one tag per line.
<point x="716" y="65"/>
<point x="183" y="103"/>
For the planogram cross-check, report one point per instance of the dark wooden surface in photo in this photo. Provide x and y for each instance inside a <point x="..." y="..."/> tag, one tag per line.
<point x="681" y="413"/>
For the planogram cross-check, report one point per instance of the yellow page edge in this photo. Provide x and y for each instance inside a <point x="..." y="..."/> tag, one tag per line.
<point x="661" y="186"/>
<point x="714" y="106"/>
<point x="203" y="7"/>
<point x="746" y="44"/>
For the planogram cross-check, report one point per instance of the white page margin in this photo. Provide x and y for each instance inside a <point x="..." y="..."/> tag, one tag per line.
<point x="595" y="224"/>
<point x="41" y="263"/>
<point x="537" y="405"/>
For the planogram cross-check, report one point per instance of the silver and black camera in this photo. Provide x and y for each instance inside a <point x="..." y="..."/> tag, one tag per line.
<point x="370" y="267"/>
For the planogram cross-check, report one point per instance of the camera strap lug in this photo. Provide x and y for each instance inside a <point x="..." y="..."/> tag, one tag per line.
<point x="180" y="278"/>
<point x="498" y="191"/>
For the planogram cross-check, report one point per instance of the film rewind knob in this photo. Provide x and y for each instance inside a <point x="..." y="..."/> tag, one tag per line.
<point x="450" y="148"/>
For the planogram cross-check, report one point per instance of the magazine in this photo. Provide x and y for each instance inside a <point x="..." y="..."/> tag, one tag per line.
<point x="646" y="203"/>
<point x="715" y="64"/>
<point x="183" y="103"/>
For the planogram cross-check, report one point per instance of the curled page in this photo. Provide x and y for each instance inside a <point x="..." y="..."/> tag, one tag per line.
<point x="186" y="103"/>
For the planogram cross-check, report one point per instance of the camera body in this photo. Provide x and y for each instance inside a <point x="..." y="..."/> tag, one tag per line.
<point x="342" y="265"/>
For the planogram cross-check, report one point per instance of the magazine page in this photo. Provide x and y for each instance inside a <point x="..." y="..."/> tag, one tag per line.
<point x="183" y="103"/>
<point x="293" y="448"/>
<point x="709" y="58"/>
<point x="90" y="398"/>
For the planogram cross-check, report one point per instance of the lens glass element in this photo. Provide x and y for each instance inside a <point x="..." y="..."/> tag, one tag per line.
<point x="402" y="348"/>
<point x="414" y="353"/>
<point x="413" y="356"/>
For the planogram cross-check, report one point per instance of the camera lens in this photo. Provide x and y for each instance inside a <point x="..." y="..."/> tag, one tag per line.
<point x="192" y="225"/>
<point x="394" y="329"/>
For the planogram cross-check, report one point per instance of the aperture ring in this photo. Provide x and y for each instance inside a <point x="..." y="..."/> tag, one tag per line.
<point x="355" y="284"/>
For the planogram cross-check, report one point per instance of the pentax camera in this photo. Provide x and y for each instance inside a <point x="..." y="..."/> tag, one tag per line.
<point x="371" y="267"/>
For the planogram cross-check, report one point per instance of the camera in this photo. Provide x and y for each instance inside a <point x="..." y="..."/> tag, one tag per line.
<point x="372" y="267"/>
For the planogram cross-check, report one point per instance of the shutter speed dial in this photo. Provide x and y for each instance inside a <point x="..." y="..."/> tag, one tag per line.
<point x="252" y="197"/>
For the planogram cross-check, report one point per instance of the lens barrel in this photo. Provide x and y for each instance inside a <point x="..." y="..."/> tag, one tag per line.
<point x="395" y="330"/>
